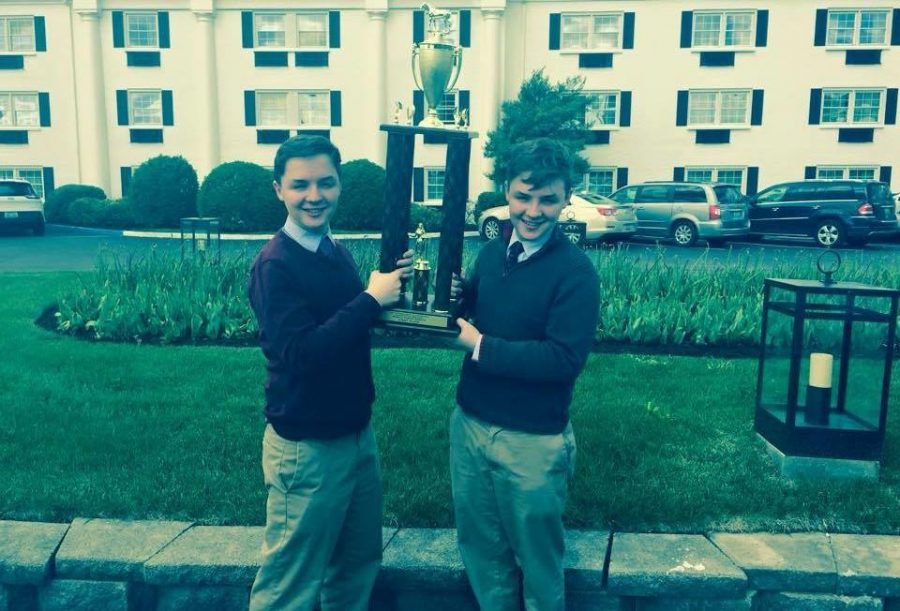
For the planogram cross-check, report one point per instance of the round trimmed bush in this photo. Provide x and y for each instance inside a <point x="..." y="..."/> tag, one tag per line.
<point x="118" y="214"/>
<point x="241" y="195"/>
<point x="362" y="196"/>
<point x="163" y="190"/>
<point x="56" y="206"/>
<point x="87" y="212"/>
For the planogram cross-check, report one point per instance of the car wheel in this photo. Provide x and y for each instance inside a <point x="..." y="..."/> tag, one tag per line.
<point x="829" y="233"/>
<point x="39" y="229"/>
<point x="685" y="233"/>
<point x="490" y="229"/>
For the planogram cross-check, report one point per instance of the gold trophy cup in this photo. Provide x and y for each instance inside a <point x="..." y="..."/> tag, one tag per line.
<point x="439" y="63"/>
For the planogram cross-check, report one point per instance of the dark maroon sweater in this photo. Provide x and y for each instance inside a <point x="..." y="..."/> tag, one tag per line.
<point x="314" y="321"/>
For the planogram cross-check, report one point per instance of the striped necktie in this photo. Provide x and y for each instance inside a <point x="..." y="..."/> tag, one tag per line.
<point x="512" y="255"/>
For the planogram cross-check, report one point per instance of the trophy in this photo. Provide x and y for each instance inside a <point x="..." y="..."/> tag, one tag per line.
<point x="436" y="63"/>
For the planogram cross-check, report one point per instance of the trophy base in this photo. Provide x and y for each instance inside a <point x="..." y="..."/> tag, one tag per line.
<point x="422" y="320"/>
<point x="432" y="121"/>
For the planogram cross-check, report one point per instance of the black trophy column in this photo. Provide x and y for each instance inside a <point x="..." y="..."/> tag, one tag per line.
<point x="456" y="192"/>
<point x="397" y="196"/>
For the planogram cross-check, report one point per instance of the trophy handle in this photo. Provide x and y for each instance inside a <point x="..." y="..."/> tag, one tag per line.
<point x="415" y="54"/>
<point x="457" y="62"/>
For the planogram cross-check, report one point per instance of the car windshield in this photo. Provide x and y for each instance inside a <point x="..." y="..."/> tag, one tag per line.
<point x="16" y="189"/>
<point x="728" y="195"/>
<point x="879" y="192"/>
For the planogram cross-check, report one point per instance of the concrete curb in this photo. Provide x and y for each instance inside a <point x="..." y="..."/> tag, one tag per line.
<point x="96" y="564"/>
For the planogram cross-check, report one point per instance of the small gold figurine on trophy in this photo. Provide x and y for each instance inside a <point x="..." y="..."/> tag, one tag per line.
<point x="421" y="270"/>
<point x="398" y="111"/>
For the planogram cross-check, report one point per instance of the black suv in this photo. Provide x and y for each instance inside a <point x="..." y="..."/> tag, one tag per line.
<point x="832" y="212"/>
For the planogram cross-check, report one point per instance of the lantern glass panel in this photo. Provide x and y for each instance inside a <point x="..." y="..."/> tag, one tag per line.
<point x="777" y="366"/>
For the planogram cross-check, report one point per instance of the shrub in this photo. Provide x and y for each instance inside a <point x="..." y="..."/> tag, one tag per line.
<point x="241" y="194"/>
<point x="86" y="212"/>
<point x="488" y="199"/>
<point x="362" y="196"/>
<point x="56" y="206"/>
<point x="118" y="214"/>
<point x="430" y="216"/>
<point x="163" y="190"/>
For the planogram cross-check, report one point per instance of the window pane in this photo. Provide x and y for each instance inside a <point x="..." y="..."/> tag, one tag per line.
<point x="841" y="25"/>
<point x="272" y="109"/>
<point x="737" y="30"/>
<point x="599" y="181"/>
<point x="862" y="173"/>
<point x="146" y="107"/>
<point x="4" y="38"/>
<point x="606" y="32"/>
<point x="698" y="175"/>
<point x="434" y="188"/>
<point x="834" y="106"/>
<point x="601" y="109"/>
<point x="21" y="34"/>
<point x="311" y="30"/>
<point x="872" y="28"/>
<point x="706" y="29"/>
<point x="25" y="108"/>
<point x="142" y="30"/>
<point x="447" y="107"/>
<point x="734" y="107"/>
<point x="729" y="195"/>
<point x="314" y="109"/>
<point x="688" y="194"/>
<point x="269" y="30"/>
<point x="702" y="107"/>
<point x="575" y="31"/>
<point x="730" y="177"/>
<point x="830" y="173"/>
<point x="866" y="106"/>
<point x="6" y="113"/>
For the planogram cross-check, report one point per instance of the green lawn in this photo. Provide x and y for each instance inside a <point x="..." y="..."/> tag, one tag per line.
<point x="664" y="443"/>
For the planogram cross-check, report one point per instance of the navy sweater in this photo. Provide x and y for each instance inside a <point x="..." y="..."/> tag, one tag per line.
<point x="538" y="322"/>
<point x="314" y="321"/>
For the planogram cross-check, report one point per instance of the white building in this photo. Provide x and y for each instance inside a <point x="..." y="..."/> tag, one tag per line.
<point x="756" y="91"/>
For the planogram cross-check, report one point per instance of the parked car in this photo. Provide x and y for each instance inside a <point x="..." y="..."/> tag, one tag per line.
<point x="20" y="206"/>
<point x="832" y="212"/>
<point x="686" y="211"/>
<point x="606" y="220"/>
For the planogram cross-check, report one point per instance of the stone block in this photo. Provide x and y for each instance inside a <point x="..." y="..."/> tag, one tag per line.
<point x="20" y="598"/>
<point x="794" y="601"/>
<point x="581" y="600"/>
<point x="801" y="562"/>
<point x="203" y="598"/>
<point x="26" y="550"/>
<point x="208" y="555"/>
<point x="584" y="559"/>
<point x="672" y="566"/>
<point x="423" y="558"/>
<point x="113" y="549"/>
<point x="422" y="600"/>
<point x="83" y="595"/>
<point x="867" y="564"/>
<point x="695" y="604"/>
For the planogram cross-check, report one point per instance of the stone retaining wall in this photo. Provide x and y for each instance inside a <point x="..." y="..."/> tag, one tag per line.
<point x="99" y="565"/>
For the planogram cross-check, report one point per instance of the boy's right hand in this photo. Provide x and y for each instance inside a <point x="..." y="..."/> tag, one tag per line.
<point x="385" y="287"/>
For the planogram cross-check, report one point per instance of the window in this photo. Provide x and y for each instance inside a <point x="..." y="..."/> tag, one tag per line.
<point x="774" y="194"/>
<point x="292" y="109"/>
<point x="33" y="175"/>
<point x="724" y="29"/>
<point x="857" y="27"/>
<point x="448" y="106"/>
<point x="141" y="30"/>
<point x="16" y="34"/>
<point x="655" y="194"/>
<point x="434" y="184"/>
<point x="842" y="173"/>
<point x="600" y="181"/>
<point x="851" y="106"/>
<point x="726" y="107"/>
<point x="594" y="31"/>
<point x="602" y="110"/>
<point x="19" y="109"/>
<point x="145" y="108"/>
<point x="728" y="176"/>
<point x="291" y="30"/>
<point x="688" y="194"/>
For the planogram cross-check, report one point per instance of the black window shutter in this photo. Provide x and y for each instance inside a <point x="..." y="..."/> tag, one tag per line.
<point x="681" y="114"/>
<point x="335" y="109"/>
<point x="49" y="182"/>
<point x="247" y="29"/>
<point x="163" y="22"/>
<point x="752" y="180"/>
<point x="895" y="28"/>
<point x="44" y="106"/>
<point x="815" y="106"/>
<point x="418" y="26"/>
<point x="418" y="184"/>
<point x="464" y="103"/>
<point x="125" y="174"/>
<point x="762" y="28"/>
<point x="821" y="27"/>
<point x="118" y="21"/>
<point x="122" y="106"/>
<point x="885" y="174"/>
<point x="756" y="110"/>
<point x="621" y="177"/>
<point x="418" y="106"/>
<point x="555" y="21"/>
<point x="40" y="35"/>
<point x="168" y="112"/>
<point x="890" y="107"/>
<point x="625" y="109"/>
<point x="628" y="31"/>
<point x="334" y="29"/>
<point x="250" y="108"/>
<point x="678" y="174"/>
<point x="687" y="29"/>
<point x="465" y="28"/>
<point x="809" y="172"/>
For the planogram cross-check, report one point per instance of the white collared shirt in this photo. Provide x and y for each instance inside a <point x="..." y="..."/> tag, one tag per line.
<point x="304" y="237"/>
<point x="529" y="246"/>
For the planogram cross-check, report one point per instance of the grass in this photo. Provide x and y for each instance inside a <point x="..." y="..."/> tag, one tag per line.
<point x="665" y="443"/>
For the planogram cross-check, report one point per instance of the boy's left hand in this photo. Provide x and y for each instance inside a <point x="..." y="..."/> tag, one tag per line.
<point x="468" y="335"/>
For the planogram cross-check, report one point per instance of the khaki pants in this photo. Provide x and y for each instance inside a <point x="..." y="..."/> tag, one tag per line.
<point x="323" y="524"/>
<point x="509" y="491"/>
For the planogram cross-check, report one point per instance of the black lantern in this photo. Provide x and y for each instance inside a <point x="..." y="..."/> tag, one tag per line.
<point x="574" y="230"/>
<point x="825" y="370"/>
<point x="204" y="234"/>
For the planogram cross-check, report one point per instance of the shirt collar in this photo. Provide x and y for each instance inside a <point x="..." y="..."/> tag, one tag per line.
<point x="304" y="237"/>
<point x="529" y="246"/>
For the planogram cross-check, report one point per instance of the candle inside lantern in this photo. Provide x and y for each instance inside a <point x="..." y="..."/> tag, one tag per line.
<point x="201" y="244"/>
<point x="818" y="390"/>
